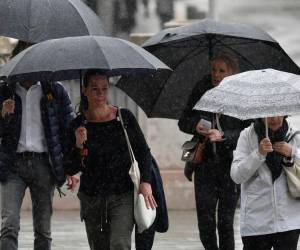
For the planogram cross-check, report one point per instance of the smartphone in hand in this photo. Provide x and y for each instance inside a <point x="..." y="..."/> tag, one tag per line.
<point x="205" y="124"/>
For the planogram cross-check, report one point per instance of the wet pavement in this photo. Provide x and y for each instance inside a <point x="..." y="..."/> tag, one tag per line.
<point x="68" y="232"/>
<point x="282" y="22"/>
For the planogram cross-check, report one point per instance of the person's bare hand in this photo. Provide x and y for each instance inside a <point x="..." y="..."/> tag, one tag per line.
<point x="201" y="129"/>
<point x="214" y="135"/>
<point x="81" y="136"/>
<point x="146" y="191"/>
<point x="8" y="107"/>
<point x="72" y="182"/>
<point x="283" y="148"/>
<point x="265" y="146"/>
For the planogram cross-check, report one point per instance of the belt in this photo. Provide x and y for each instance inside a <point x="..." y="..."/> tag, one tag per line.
<point x="30" y="155"/>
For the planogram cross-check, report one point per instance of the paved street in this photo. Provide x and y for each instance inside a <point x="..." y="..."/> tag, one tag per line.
<point x="69" y="233"/>
<point x="282" y="21"/>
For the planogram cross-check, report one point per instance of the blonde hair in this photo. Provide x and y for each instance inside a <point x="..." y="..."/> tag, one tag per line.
<point x="229" y="58"/>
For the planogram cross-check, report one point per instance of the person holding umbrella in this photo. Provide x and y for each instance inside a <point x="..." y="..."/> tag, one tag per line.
<point x="34" y="117"/>
<point x="97" y="148"/>
<point x="267" y="157"/>
<point x="213" y="185"/>
<point x="269" y="214"/>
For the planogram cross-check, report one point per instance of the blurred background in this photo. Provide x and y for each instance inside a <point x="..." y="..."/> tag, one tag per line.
<point x="137" y="20"/>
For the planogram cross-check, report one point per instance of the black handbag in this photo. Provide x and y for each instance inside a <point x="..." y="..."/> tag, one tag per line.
<point x="193" y="150"/>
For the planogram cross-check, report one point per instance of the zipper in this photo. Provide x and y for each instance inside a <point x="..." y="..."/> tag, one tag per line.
<point x="275" y="208"/>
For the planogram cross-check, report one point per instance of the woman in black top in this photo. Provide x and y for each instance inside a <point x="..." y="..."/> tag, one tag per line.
<point x="97" y="148"/>
<point x="214" y="189"/>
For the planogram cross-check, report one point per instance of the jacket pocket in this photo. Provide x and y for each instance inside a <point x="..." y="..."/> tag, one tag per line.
<point x="259" y="214"/>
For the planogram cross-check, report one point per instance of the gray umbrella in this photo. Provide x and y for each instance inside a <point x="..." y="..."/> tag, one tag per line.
<point x="254" y="94"/>
<point x="34" y="21"/>
<point x="65" y="58"/>
<point x="188" y="50"/>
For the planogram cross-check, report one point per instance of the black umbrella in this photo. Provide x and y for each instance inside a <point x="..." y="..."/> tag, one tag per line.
<point x="66" y="58"/>
<point x="187" y="50"/>
<point x="34" y="21"/>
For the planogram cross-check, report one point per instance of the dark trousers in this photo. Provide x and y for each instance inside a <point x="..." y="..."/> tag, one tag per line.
<point x="215" y="189"/>
<point x="35" y="174"/>
<point x="279" y="241"/>
<point x="109" y="222"/>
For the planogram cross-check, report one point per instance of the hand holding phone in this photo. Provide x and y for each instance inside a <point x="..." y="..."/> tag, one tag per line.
<point x="203" y="126"/>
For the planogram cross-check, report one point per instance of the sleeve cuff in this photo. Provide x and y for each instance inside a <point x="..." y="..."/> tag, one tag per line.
<point x="260" y="156"/>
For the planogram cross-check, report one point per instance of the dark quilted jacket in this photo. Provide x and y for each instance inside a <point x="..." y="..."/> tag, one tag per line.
<point x="56" y="111"/>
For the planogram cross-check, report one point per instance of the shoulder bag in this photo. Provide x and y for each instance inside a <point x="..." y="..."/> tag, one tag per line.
<point x="143" y="216"/>
<point x="193" y="150"/>
<point x="293" y="175"/>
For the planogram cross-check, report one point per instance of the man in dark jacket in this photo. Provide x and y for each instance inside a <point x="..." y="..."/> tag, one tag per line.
<point x="33" y="120"/>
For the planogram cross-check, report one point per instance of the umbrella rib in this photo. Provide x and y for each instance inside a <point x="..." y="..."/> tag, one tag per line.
<point x="102" y="53"/>
<point x="161" y="89"/>
<point x="79" y="13"/>
<point x="177" y="46"/>
<point x="173" y="43"/>
<point x="238" y="53"/>
<point x="29" y="20"/>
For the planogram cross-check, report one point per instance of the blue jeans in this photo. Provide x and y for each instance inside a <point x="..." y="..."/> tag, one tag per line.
<point x="34" y="173"/>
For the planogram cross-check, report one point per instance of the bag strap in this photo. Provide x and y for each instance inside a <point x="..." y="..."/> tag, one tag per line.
<point x="293" y="135"/>
<point x="126" y="136"/>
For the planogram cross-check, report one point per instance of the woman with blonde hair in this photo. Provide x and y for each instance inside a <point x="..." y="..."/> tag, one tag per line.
<point x="214" y="189"/>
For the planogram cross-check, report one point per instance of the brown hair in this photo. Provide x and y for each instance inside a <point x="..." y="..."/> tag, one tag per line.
<point x="20" y="46"/>
<point x="92" y="72"/>
<point x="83" y="105"/>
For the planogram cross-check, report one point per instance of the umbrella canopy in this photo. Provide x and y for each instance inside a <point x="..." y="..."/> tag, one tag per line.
<point x="188" y="50"/>
<point x="254" y="94"/>
<point x="65" y="58"/>
<point x="34" y="21"/>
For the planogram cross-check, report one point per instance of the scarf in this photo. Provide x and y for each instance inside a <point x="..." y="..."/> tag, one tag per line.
<point x="273" y="159"/>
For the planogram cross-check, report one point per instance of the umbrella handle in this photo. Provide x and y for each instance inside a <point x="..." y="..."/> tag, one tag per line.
<point x="266" y="125"/>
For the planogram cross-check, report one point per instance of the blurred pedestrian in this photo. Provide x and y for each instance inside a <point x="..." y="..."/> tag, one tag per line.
<point x="146" y="8"/>
<point x="124" y="15"/>
<point x="165" y="11"/>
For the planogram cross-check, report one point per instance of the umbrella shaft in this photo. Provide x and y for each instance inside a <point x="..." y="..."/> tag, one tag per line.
<point x="266" y="125"/>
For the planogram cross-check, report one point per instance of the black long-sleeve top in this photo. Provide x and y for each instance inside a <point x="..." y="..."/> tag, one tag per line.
<point x="105" y="169"/>
<point x="230" y="125"/>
